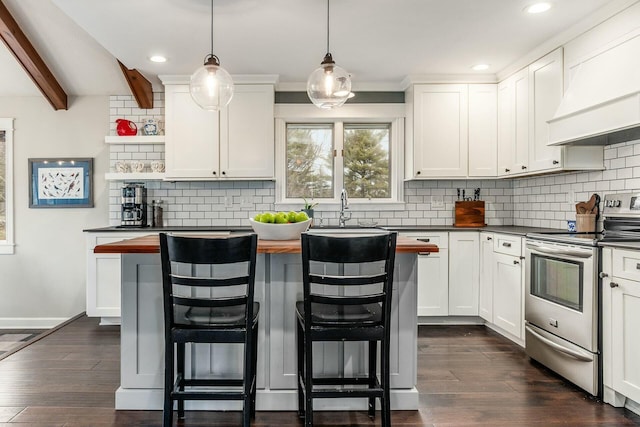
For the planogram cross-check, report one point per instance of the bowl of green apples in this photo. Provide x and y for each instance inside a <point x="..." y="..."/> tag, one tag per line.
<point x="280" y="225"/>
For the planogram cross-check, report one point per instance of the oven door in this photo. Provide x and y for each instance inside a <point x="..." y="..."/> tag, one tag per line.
<point x="561" y="291"/>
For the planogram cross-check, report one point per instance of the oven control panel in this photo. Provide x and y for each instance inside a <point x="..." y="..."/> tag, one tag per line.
<point x="621" y="204"/>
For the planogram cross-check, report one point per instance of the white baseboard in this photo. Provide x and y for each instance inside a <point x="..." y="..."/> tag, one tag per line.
<point x="31" y="322"/>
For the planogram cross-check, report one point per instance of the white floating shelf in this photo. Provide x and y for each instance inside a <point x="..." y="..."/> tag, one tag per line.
<point x="134" y="176"/>
<point x="137" y="139"/>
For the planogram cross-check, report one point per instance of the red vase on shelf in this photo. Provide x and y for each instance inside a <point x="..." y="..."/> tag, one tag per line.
<point x="126" y="127"/>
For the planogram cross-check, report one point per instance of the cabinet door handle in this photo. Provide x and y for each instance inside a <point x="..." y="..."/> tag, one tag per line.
<point x="507" y="170"/>
<point x="418" y="173"/>
<point x="638" y="266"/>
<point x="613" y="285"/>
<point x="489" y="238"/>
<point x="224" y="173"/>
<point x="602" y="275"/>
<point x="523" y="167"/>
<point x="214" y="172"/>
<point x="516" y="262"/>
<point x="555" y="162"/>
<point x="506" y="245"/>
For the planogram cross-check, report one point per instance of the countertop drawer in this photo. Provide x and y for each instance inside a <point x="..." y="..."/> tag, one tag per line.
<point x="441" y="240"/>
<point x="626" y="264"/>
<point x="507" y="244"/>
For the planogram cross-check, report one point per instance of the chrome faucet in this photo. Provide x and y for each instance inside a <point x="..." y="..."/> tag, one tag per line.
<point x="344" y="205"/>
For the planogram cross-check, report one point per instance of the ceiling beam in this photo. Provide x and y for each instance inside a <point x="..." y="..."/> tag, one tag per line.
<point x="140" y="87"/>
<point x="28" y="57"/>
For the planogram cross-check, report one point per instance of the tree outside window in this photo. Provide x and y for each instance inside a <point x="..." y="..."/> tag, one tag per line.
<point x="367" y="170"/>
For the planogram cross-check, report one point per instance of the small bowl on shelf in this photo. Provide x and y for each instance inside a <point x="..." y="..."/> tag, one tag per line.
<point x="269" y="231"/>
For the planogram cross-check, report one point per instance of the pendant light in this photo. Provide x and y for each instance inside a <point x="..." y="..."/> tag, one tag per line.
<point x="211" y="86"/>
<point x="329" y="86"/>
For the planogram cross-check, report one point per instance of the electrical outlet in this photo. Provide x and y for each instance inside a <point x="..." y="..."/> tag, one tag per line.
<point x="437" y="202"/>
<point x="228" y="202"/>
<point x="571" y="197"/>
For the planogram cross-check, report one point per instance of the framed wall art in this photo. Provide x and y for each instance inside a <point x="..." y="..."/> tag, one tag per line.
<point x="61" y="183"/>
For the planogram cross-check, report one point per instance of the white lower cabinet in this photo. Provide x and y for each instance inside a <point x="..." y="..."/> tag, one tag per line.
<point x="621" y="319"/>
<point x="464" y="273"/>
<point x="103" y="277"/>
<point x="502" y="283"/>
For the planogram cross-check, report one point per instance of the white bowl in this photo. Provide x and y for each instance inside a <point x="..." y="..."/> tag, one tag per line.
<point x="267" y="231"/>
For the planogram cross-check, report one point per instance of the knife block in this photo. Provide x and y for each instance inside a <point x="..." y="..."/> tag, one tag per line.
<point x="469" y="214"/>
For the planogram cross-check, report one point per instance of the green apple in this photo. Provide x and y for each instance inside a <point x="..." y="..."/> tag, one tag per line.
<point x="281" y="218"/>
<point x="301" y="217"/>
<point x="257" y="218"/>
<point x="291" y="216"/>
<point x="267" y="217"/>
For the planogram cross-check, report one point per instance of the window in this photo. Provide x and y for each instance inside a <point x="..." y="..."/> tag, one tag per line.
<point x="314" y="167"/>
<point x="361" y="151"/>
<point x="6" y="186"/>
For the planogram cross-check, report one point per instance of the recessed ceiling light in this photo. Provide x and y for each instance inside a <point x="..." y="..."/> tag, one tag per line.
<point x="480" y="67"/>
<point x="158" y="58"/>
<point x="538" y="7"/>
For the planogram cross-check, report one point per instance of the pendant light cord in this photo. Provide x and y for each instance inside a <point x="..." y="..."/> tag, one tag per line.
<point x="328" y="51"/>
<point x="211" y="27"/>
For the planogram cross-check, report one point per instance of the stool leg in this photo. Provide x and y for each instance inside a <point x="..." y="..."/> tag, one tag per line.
<point x="167" y="413"/>
<point x="248" y="368"/>
<point x="180" y="349"/>
<point x="300" y="354"/>
<point x="308" y="381"/>
<point x="385" y="371"/>
<point x="373" y="357"/>
<point x="254" y="373"/>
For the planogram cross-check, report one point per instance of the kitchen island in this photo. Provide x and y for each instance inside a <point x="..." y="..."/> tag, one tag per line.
<point x="278" y="286"/>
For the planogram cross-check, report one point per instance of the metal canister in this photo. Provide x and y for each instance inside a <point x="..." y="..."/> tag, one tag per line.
<point x="157" y="219"/>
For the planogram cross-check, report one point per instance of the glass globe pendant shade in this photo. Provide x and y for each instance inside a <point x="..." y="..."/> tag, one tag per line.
<point x="211" y="86"/>
<point x="329" y="86"/>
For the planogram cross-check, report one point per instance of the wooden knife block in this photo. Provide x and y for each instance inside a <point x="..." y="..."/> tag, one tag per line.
<point x="469" y="214"/>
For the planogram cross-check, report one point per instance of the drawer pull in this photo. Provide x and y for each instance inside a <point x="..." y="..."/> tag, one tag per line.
<point x="426" y="240"/>
<point x="516" y="262"/>
<point x="613" y="285"/>
<point x="602" y="275"/>
<point x="424" y="253"/>
<point x="506" y="244"/>
<point x="638" y="266"/>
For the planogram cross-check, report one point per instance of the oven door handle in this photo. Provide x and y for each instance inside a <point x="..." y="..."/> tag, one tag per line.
<point x="569" y="252"/>
<point x="558" y="347"/>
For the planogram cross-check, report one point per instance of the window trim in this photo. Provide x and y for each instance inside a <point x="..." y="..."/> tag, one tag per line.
<point x="356" y="113"/>
<point x="7" y="246"/>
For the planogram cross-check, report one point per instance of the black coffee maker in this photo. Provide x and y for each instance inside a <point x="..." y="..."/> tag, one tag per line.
<point x="133" y="209"/>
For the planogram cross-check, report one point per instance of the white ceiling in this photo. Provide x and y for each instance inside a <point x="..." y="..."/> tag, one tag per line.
<point x="380" y="42"/>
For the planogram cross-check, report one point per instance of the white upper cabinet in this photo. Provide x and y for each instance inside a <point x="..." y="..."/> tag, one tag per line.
<point x="440" y="130"/>
<point x="483" y="130"/>
<point x="526" y="101"/>
<point x="247" y="133"/>
<point x="454" y="131"/>
<point x="236" y="142"/>
<point x="545" y="86"/>
<point x="192" y="137"/>
<point x="513" y="124"/>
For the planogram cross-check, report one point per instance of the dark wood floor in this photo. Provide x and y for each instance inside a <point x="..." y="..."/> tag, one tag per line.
<point x="468" y="376"/>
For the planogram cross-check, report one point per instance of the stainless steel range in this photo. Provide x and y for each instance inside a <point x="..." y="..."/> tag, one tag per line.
<point x="563" y="303"/>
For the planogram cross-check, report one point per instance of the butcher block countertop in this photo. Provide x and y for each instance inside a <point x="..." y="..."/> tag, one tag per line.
<point x="150" y="245"/>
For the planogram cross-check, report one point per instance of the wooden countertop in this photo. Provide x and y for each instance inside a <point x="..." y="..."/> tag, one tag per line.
<point x="150" y="245"/>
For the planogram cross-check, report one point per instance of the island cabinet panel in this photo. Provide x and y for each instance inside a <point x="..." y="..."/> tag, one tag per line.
<point x="338" y="358"/>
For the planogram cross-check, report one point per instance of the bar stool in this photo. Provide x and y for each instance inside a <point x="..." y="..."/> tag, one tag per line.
<point x="328" y="314"/>
<point x="192" y="267"/>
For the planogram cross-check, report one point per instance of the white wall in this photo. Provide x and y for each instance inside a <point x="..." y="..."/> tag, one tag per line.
<point x="43" y="283"/>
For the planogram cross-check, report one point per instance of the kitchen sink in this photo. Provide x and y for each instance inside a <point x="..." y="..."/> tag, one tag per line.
<point x="346" y="230"/>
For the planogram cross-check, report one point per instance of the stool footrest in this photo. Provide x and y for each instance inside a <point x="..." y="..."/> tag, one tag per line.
<point x="347" y="392"/>
<point x="194" y="382"/>
<point x="344" y="381"/>
<point x="207" y="395"/>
